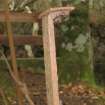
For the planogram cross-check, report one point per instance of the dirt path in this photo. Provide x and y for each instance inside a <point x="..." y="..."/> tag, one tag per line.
<point x="72" y="94"/>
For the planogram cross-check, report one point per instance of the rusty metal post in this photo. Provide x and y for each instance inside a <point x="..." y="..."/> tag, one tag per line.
<point x="50" y="52"/>
<point x="50" y="61"/>
<point x="12" y="51"/>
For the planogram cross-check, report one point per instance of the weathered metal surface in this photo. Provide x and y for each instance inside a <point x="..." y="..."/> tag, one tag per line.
<point x="27" y="39"/>
<point x="19" y="17"/>
<point x="50" y="61"/>
<point x="50" y="51"/>
<point x="60" y="11"/>
<point x="12" y="51"/>
<point x="23" y="39"/>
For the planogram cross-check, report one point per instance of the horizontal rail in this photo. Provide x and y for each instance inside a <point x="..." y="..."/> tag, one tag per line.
<point x="27" y="39"/>
<point x="29" y="59"/>
<point x="23" y="39"/>
<point x="19" y="17"/>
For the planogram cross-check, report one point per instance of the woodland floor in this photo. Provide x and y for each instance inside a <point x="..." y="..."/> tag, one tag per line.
<point x="72" y="94"/>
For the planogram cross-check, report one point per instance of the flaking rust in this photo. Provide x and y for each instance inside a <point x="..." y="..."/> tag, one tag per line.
<point x="48" y="18"/>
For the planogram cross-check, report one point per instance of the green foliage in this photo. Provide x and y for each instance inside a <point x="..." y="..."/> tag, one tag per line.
<point x="97" y="11"/>
<point x="74" y="1"/>
<point x="74" y="64"/>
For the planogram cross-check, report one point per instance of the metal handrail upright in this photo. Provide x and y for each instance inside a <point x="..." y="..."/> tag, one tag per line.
<point x="12" y="50"/>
